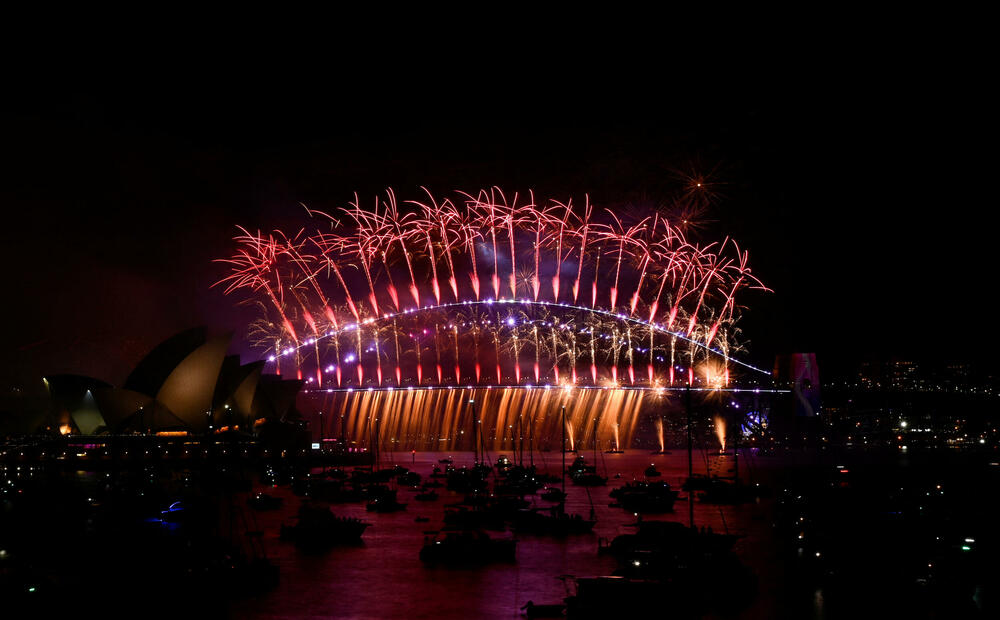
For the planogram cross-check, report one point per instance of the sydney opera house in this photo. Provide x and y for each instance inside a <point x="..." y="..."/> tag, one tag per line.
<point x="185" y="385"/>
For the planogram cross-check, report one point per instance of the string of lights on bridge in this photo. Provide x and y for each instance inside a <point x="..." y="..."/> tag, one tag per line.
<point x="512" y="321"/>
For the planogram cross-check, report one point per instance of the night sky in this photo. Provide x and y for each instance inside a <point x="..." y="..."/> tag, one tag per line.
<point x="862" y="202"/>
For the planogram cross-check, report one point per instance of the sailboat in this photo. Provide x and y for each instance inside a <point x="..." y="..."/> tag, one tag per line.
<point x="553" y="520"/>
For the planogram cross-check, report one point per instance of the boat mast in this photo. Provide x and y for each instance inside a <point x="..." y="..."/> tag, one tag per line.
<point x="596" y="419"/>
<point x="475" y="447"/>
<point x="520" y="424"/>
<point x="531" y="444"/>
<point x="736" y="448"/>
<point x="564" y="450"/>
<point x="690" y="462"/>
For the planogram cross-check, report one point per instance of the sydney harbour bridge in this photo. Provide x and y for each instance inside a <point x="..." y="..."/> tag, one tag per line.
<point x="421" y="319"/>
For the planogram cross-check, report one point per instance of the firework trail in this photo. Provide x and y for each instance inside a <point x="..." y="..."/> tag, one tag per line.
<point x="638" y="265"/>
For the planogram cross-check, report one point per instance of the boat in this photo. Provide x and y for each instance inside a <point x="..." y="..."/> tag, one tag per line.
<point x="467" y="547"/>
<point x="426" y="496"/>
<point x="697" y="482"/>
<point x="693" y="561"/>
<point x="551" y="494"/>
<point x="467" y="480"/>
<point x="668" y="538"/>
<point x="317" y="528"/>
<point x="553" y="520"/>
<point x="516" y="487"/>
<point x="374" y="492"/>
<point x="445" y="461"/>
<point x="585" y="475"/>
<point x="503" y="463"/>
<point x="614" y="451"/>
<point x="533" y="610"/>
<point x="589" y="479"/>
<point x="646" y="497"/>
<point x="651" y="471"/>
<point x="548" y="478"/>
<point x="579" y="466"/>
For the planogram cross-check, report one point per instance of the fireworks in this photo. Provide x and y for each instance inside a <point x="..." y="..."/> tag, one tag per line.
<point x="494" y="288"/>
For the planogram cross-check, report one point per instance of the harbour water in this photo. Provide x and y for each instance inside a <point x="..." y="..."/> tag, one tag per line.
<point x="842" y="533"/>
<point x="383" y="577"/>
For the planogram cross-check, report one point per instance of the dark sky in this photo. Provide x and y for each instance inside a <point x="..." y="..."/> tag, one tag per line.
<point x="861" y="199"/>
